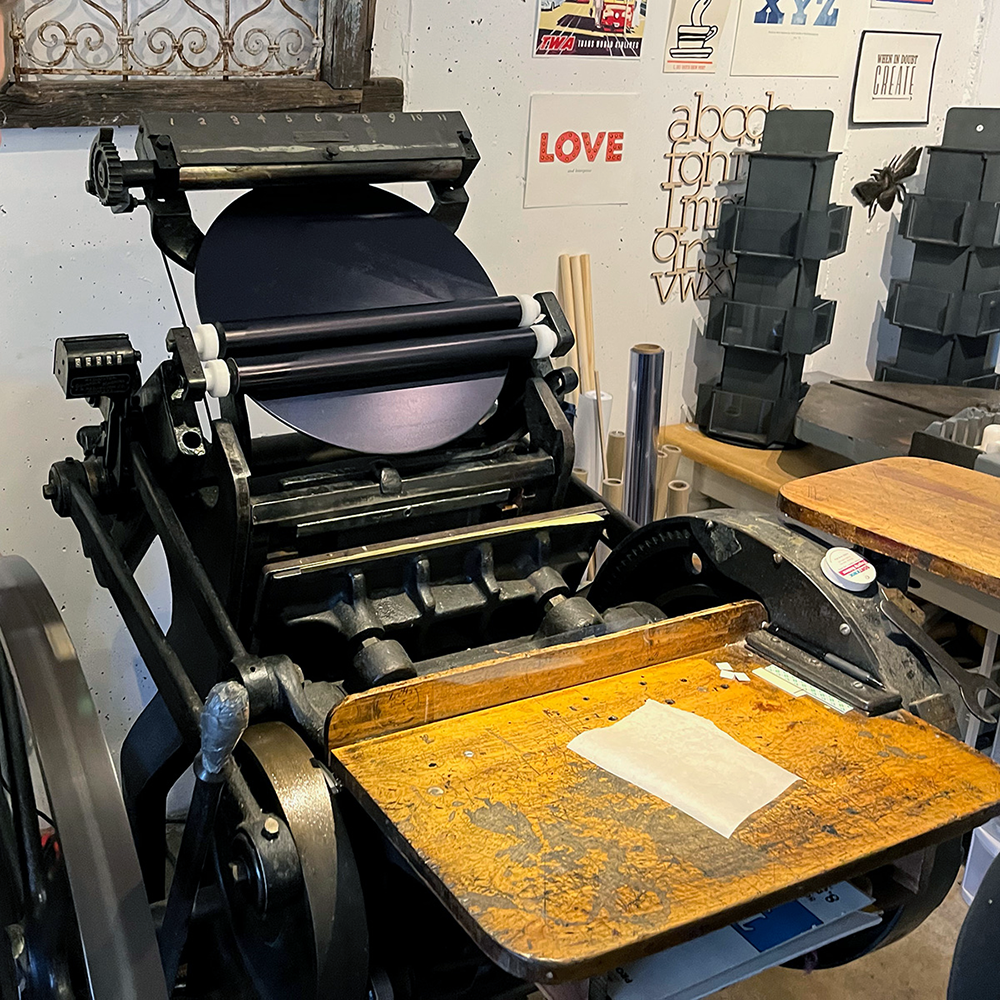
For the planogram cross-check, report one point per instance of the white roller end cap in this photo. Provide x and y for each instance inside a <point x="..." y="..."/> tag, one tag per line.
<point x="531" y="310"/>
<point x="218" y="380"/>
<point x="206" y="339"/>
<point x="546" y="339"/>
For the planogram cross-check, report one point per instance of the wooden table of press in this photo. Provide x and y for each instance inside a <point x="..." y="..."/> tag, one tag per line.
<point x="939" y="519"/>
<point x="751" y="478"/>
<point x="559" y="869"/>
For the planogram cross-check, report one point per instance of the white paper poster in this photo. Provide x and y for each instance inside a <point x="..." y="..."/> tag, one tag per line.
<point x="904" y="4"/>
<point x="894" y="78"/>
<point x="579" y="150"/>
<point x="795" y="37"/>
<point x="693" y="36"/>
<point x="590" y="28"/>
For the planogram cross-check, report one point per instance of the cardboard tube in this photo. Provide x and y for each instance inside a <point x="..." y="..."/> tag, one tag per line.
<point x="668" y="457"/>
<point x="588" y="314"/>
<point x="586" y="362"/>
<point x="611" y="490"/>
<point x="678" y="497"/>
<point x="581" y="474"/>
<point x="616" y="454"/>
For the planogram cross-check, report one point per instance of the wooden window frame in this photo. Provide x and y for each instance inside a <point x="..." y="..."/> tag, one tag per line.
<point x="344" y="84"/>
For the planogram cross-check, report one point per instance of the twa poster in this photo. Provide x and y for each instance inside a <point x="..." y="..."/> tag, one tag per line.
<point x="610" y="28"/>
<point x="579" y="150"/>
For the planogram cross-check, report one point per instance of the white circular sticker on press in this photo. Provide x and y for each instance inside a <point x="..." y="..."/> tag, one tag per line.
<point x="848" y="570"/>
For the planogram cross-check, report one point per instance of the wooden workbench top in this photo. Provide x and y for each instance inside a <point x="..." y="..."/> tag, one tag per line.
<point x="765" y="470"/>
<point x="559" y="869"/>
<point x="939" y="517"/>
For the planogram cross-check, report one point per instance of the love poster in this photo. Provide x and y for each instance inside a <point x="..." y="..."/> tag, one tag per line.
<point x="579" y="150"/>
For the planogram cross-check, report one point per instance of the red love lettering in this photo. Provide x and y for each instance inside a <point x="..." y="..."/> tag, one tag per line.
<point x="592" y="150"/>
<point x="574" y="140"/>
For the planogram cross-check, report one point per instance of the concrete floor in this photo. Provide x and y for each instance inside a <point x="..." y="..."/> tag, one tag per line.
<point x="915" y="968"/>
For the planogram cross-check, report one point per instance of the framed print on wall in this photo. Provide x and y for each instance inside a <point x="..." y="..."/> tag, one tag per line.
<point x="894" y="78"/>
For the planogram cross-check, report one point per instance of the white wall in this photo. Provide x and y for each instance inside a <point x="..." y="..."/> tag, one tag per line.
<point x="69" y="267"/>
<point x="475" y="57"/>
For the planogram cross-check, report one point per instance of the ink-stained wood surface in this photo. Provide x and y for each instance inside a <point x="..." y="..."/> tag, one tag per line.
<point x="405" y="704"/>
<point x="938" y="517"/>
<point x="559" y="869"/>
<point x="765" y="470"/>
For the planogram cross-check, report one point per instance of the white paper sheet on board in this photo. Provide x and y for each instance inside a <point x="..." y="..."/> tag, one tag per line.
<point x="687" y="761"/>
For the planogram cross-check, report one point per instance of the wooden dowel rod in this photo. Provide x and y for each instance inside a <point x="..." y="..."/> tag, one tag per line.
<point x="586" y="362"/>
<point x="568" y="307"/>
<point x="588" y="315"/>
<point x="600" y="425"/>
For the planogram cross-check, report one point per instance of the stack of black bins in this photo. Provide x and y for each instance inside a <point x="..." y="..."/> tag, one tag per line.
<point x="780" y="232"/>
<point x="948" y="311"/>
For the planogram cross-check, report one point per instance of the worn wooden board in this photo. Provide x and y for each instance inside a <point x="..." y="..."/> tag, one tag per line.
<point x="938" y="517"/>
<point x="765" y="470"/>
<point x="941" y="401"/>
<point x="559" y="869"/>
<point x="114" y="102"/>
<point x="405" y="704"/>
<point x="860" y="426"/>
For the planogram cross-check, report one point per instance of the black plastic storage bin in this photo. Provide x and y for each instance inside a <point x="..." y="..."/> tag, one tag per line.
<point x="948" y="311"/>
<point x="780" y="232"/>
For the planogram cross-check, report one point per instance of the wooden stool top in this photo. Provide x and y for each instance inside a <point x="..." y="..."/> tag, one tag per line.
<point x="939" y="517"/>
<point x="558" y="869"/>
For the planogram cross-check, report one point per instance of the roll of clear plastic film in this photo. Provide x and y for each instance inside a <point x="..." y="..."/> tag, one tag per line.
<point x="645" y="394"/>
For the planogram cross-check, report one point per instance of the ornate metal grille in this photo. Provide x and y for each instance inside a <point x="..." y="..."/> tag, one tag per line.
<point x="210" y="39"/>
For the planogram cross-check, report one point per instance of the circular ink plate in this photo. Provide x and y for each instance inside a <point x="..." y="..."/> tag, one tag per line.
<point x="303" y="251"/>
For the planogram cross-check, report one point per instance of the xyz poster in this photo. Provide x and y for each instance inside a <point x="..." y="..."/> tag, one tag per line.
<point x="590" y="28"/>
<point x="795" y="37"/>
